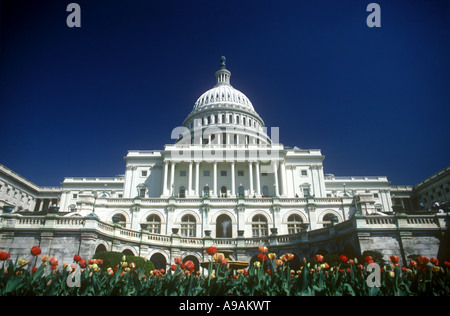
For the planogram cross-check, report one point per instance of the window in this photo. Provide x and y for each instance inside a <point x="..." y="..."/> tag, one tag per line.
<point x="182" y="173"/>
<point x="306" y="192"/>
<point x="182" y="192"/>
<point x="259" y="226"/>
<point x="188" y="226"/>
<point x="141" y="190"/>
<point x="304" y="172"/>
<point x="223" y="227"/>
<point x="223" y="173"/>
<point x="265" y="191"/>
<point x="240" y="173"/>
<point x="119" y="219"/>
<point x="264" y="174"/>
<point x="206" y="173"/>
<point x="74" y="196"/>
<point x="375" y="195"/>
<point x="294" y="224"/>
<point x="329" y="220"/>
<point x="223" y="191"/>
<point x="241" y="191"/>
<point x="144" y="173"/>
<point x="152" y="224"/>
<point x="206" y="191"/>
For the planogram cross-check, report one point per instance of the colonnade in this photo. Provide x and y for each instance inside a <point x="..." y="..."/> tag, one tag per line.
<point x="253" y="178"/>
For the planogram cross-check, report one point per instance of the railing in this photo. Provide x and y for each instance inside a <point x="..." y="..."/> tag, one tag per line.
<point x="93" y="224"/>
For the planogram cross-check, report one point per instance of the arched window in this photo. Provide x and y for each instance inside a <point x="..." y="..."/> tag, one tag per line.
<point x="265" y="191"/>
<point x="119" y="219"/>
<point x="329" y="220"/>
<point x="152" y="224"/>
<point x="223" y="226"/>
<point x="206" y="191"/>
<point x="159" y="261"/>
<point x="294" y="224"/>
<point x="259" y="226"/>
<point x="182" y="193"/>
<point x="188" y="225"/>
<point x="223" y="191"/>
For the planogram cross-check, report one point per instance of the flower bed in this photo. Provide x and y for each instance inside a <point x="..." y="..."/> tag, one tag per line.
<point x="271" y="275"/>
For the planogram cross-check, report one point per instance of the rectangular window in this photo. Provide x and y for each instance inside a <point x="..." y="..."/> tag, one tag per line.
<point x="182" y="173"/>
<point x="304" y="172"/>
<point x="74" y="196"/>
<point x="206" y="173"/>
<point x="264" y="174"/>
<point x="223" y="173"/>
<point x="240" y="173"/>
<point x="144" y="173"/>
<point x="375" y="195"/>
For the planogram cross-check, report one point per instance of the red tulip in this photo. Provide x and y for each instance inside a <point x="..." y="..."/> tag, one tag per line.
<point x="343" y="259"/>
<point x="394" y="259"/>
<point x="178" y="260"/>
<point x="211" y="251"/>
<point x="35" y="251"/>
<point x="33" y="270"/>
<point x="423" y="260"/>
<point x="262" y="257"/>
<point x="4" y="255"/>
<point x="76" y="258"/>
<point x="173" y="267"/>
<point x="53" y="262"/>
<point x="319" y="258"/>
<point x="434" y="261"/>
<point x="263" y="250"/>
<point x="190" y="266"/>
<point x="369" y="260"/>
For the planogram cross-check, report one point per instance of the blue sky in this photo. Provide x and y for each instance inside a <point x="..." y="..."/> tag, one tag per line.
<point x="374" y="100"/>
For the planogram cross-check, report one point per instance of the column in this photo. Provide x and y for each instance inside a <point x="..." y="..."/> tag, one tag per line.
<point x="189" y="190"/>
<point x="197" y="178"/>
<point x="172" y="178"/>
<point x="250" y="175"/>
<point x="166" y="167"/>
<point x="233" y="182"/>
<point x="215" y="179"/>
<point x="275" y="175"/>
<point x="283" y="179"/>
<point x="258" y="182"/>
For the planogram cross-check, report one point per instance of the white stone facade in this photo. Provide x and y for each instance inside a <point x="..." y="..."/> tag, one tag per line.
<point x="224" y="169"/>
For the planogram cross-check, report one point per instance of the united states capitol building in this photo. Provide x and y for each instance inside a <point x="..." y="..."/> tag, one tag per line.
<point x="225" y="181"/>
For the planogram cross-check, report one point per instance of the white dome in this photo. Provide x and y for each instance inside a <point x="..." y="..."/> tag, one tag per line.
<point x="223" y="94"/>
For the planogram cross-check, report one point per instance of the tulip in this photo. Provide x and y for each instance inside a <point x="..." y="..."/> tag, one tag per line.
<point x="391" y="274"/>
<point x="343" y="259"/>
<point x="272" y="256"/>
<point x="76" y="258"/>
<point x="257" y="264"/>
<point x="53" y="262"/>
<point x="211" y="251"/>
<point x="219" y="257"/>
<point x="369" y="260"/>
<point x="262" y="257"/>
<point x="263" y="250"/>
<point x="45" y="259"/>
<point x="423" y="260"/>
<point x="173" y="267"/>
<point x="434" y="261"/>
<point x="178" y="260"/>
<point x="35" y="251"/>
<point x="394" y="259"/>
<point x="279" y="262"/>
<point x="318" y="258"/>
<point x="22" y="262"/>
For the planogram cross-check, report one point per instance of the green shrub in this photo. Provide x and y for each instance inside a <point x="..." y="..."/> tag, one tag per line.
<point x="376" y="256"/>
<point x="111" y="259"/>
